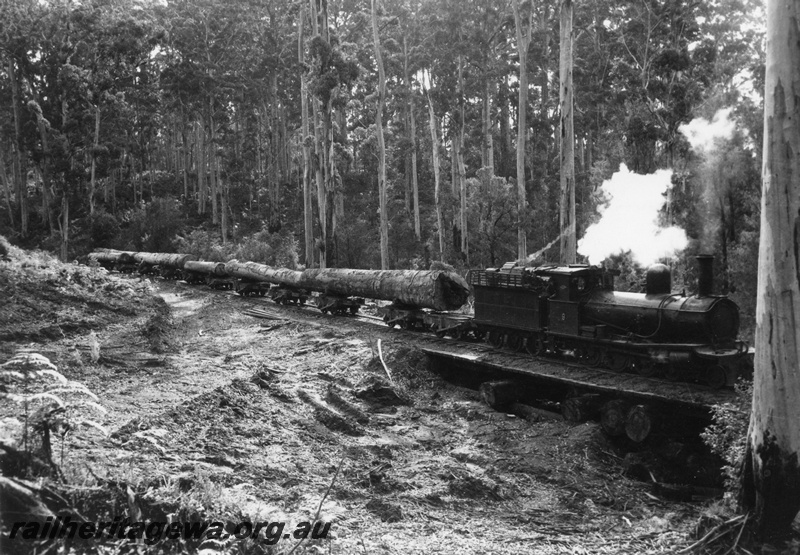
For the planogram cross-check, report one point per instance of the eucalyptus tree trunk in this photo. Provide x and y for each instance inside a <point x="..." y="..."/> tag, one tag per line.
<point x="567" y="144"/>
<point x="96" y="145"/>
<point x="20" y="179"/>
<point x="462" y="172"/>
<point x="488" y="143"/>
<point x="384" y="224"/>
<point x="6" y="186"/>
<point x="307" y="204"/>
<point x="200" y="164"/>
<point x="771" y="477"/>
<point x="319" y="150"/>
<point x="212" y="164"/>
<point x="436" y="176"/>
<point x="413" y="130"/>
<point x="523" y="40"/>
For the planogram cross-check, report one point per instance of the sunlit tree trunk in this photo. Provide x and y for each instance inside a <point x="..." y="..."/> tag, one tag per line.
<point x="523" y="40"/>
<point x="384" y="223"/>
<point x="436" y="176"/>
<point x="96" y="145"/>
<point x="567" y="144"/>
<point x="20" y="178"/>
<point x="771" y="476"/>
<point x="413" y="128"/>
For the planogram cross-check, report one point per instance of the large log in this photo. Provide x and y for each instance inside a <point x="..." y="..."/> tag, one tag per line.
<point x="112" y="256"/>
<point x="436" y="289"/>
<point x="203" y="267"/>
<point x="262" y="272"/>
<point x="163" y="259"/>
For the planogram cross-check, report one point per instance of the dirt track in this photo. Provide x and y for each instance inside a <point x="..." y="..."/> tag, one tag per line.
<point x="219" y="415"/>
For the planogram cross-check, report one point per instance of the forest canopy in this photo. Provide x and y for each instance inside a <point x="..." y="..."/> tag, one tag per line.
<point x="205" y="124"/>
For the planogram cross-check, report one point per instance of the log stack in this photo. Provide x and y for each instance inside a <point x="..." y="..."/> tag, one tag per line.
<point x="436" y="289"/>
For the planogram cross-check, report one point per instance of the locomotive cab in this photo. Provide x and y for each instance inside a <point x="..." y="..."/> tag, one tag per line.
<point x="569" y="285"/>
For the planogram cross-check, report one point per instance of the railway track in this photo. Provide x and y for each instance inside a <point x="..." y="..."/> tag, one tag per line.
<point x="696" y="398"/>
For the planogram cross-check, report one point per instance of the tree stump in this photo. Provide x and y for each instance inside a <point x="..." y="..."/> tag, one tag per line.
<point x="613" y="416"/>
<point x="639" y="423"/>
<point x="582" y="408"/>
<point x="499" y="395"/>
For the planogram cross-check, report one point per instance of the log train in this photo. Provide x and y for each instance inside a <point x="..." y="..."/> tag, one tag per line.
<point x="546" y="310"/>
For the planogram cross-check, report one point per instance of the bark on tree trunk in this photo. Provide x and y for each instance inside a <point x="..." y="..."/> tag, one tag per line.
<point x="306" y="136"/>
<point x="216" y="268"/>
<point x="163" y="259"/>
<point x="567" y="150"/>
<point x="384" y="225"/>
<point x="96" y="144"/>
<point x="413" y="128"/>
<point x="262" y="272"/>
<point x="434" y="289"/>
<point x="523" y="40"/>
<point x="436" y="176"/>
<point x="20" y="178"/>
<point x="771" y="477"/>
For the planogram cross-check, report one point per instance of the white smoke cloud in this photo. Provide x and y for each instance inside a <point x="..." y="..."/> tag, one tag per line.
<point x="629" y="220"/>
<point x="702" y="133"/>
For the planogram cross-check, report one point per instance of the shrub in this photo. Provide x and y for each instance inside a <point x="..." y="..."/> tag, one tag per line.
<point x="726" y="436"/>
<point x="103" y="229"/>
<point x="153" y="227"/>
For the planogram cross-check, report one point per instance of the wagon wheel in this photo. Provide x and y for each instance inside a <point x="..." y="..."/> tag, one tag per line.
<point x="388" y="323"/>
<point x="496" y="339"/>
<point x="716" y="377"/>
<point x="515" y="342"/>
<point x="535" y="345"/>
<point x="617" y="362"/>
<point x="646" y="368"/>
<point x="403" y="324"/>
<point x="353" y="310"/>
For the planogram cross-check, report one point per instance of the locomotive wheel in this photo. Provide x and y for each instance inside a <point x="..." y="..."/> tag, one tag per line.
<point x="534" y="345"/>
<point x="478" y="335"/>
<point x="673" y="373"/>
<point x="716" y="377"/>
<point x="388" y="323"/>
<point x="646" y="368"/>
<point x="515" y="342"/>
<point x="496" y="339"/>
<point x="439" y="333"/>
<point x="593" y="357"/>
<point x="617" y="362"/>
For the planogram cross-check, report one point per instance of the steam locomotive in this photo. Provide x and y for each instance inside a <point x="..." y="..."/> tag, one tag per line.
<point x="545" y="310"/>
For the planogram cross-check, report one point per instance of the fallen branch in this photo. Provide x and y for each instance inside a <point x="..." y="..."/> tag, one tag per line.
<point x="321" y="501"/>
<point x="386" y="368"/>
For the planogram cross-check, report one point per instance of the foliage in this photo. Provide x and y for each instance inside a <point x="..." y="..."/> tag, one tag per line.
<point x="726" y="436"/>
<point x="153" y="226"/>
<point x="273" y="249"/>
<point x="33" y="382"/>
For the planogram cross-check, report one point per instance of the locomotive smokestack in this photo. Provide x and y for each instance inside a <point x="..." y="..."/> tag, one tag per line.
<point x="705" y="275"/>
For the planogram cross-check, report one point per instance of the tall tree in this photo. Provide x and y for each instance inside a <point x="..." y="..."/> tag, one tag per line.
<point x="772" y="467"/>
<point x="523" y="41"/>
<point x="384" y="221"/>
<point x="567" y="139"/>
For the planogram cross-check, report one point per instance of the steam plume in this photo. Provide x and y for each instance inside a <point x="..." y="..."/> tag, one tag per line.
<point x="702" y="133"/>
<point x="629" y="220"/>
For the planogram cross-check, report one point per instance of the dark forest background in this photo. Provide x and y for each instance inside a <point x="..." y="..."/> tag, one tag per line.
<point x="178" y="125"/>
